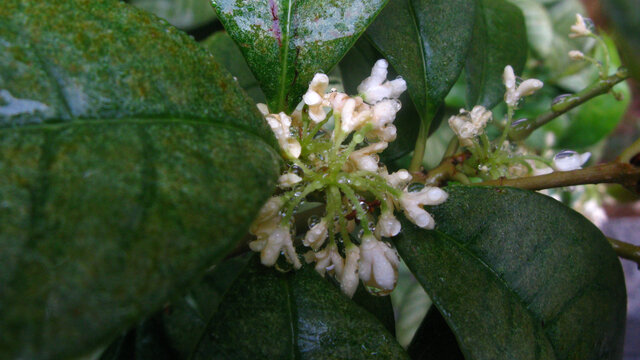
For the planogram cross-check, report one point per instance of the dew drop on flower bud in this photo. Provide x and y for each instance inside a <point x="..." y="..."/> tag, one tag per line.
<point x="313" y="220"/>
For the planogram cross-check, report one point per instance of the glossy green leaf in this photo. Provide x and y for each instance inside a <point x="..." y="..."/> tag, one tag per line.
<point x="120" y="159"/>
<point x="499" y="39"/>
<point x="298" y="315"/>
<point x="434" y="339"/>
<point x="183" y="14"/>
<point x="625" y="19"/>
<point x="355" y="67"/>
<point x="229" y="55"/>
<point x="426" y="41"/>
<point x="378" y="306"/>
<point x="518" y="275"/>
<point x="287" y="42"/>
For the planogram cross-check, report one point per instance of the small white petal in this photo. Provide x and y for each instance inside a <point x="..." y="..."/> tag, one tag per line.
<point x="570" y="160"/>
<point x="288" y="180"/>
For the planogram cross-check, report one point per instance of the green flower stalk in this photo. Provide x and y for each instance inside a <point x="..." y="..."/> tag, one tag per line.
<point x="331" y="146"/>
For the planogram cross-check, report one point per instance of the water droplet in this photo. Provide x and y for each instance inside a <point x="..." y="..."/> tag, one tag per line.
<point x="415" y="187"/>
<point x="560" y="98"/>
<point x="565" y="154"/>
<point x="519" y="121"/>
<point x="282" y="265"/>
<point x="377" y="291"/>
<point x="313" y="220"/>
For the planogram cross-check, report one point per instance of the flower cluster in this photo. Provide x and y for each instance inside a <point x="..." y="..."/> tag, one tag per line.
<point x="338" y="169"/>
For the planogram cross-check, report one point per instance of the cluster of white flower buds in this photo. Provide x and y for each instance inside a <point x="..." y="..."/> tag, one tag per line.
<point x="515" y="92"/>
<point x="341" y="166"/>
<point x="469" y="124"/>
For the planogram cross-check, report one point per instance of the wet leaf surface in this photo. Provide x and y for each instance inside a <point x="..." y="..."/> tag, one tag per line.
<point x="426" y="41"/>
<point x="519" y="275"/>
<point x="130" y="162"/>
<point x="286" y="42"/>
<point x="499" y="39"/>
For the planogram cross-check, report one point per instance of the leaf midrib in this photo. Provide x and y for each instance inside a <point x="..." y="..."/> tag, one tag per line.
<point x="423" y="61"/>
<point x="284" y="54"/>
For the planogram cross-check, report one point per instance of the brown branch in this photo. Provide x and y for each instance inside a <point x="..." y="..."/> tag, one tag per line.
<point x="613" y="172"/>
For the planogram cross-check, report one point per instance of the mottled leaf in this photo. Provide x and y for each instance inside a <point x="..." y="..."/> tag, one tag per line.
<point x="426" y="41"/>
<point x="499" y="39"/>
<point x="297" y="315"/>
<point x="518" y="275"/>
<point x="286" y="42"/>
<point x="130" y="162"/>
<point x="355" y="67"/>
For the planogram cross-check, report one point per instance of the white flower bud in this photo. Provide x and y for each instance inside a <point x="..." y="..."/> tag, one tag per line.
<point x="412" y="203"/>
<point x="568" y="160"/>
<point x="315" y="237"/>
<point x="329" y="259"/>
<point x="351" y="119"/>
<point x="268" y="211"/>
<point x="512" y="94"/>
<point x="277" y="242"/>
<point x="337" y="100"/>
<point x="264" y="110"/>
<point x="576" y="55"/>
<point x="579" y="29"/>
<point x="314" y="97"/>
<point x="280" y="124"/>
<point x="386" y="134"/>
<point x="349" y="279"/>
<point x="388" y="225"/>
<point x="376" y="87"/>
<point x="366" y="158"/>
<point x="378" y="266"/>
<point x="480" y="116"/>
<point x="399" y="179"/>
<point x="288" y="180"/>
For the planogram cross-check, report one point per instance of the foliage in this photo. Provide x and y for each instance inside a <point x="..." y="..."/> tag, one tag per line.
<point x="133" y="161"/>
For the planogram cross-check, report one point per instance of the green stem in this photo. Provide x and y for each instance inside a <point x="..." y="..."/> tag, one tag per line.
<point x="316" y="185"/>
<point x="626" y="250"/>
<point x="522" y="130"/>
<point x="360" y="213"/>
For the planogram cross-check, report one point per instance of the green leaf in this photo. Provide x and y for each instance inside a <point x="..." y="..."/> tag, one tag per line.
<point x="355" y="67"/>
<point x="499" y="39"/>
<point x="297" y="315"/>
<point x="183" y="14"/>
<point x="594" y="120"/>
<point x="518" y="275"/>
<point x="128" y="166"/>
<point x="539" y="26"/>
<point x="426" y="41"/>
<point x="434" y="339"/>
<point x="287" y="42"/>
<point x="626" y="21"/>
<point x="229" y="55"/>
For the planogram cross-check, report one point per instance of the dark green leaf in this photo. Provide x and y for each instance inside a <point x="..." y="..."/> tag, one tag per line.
<point x="426" y="41"/>
<point x="175" y="331"/>
<point x="518" y="275"/>
<point x="626" y="21"/>
<point x="184" y="14"/>
<point x="129" y="163"/>
<point x="499" y="39"/>
<point x="434" y="339"/>
<point x="299" y="315"/>
<point x="287" y="42"/>
<point x="355" y="67"/>
<point x="229" y="55"/>
<point x="185" y="321"/>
